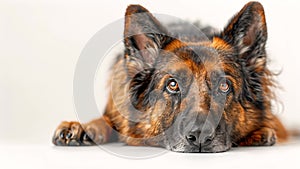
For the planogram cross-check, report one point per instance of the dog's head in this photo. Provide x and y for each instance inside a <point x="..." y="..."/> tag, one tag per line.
<point x="201" y="96"/>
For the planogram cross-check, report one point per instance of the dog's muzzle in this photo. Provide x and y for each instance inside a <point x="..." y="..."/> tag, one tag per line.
<point x="197" y="136"/>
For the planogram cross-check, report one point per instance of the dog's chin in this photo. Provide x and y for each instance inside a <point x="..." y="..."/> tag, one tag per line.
<point x="183" y="148"/>
<point x="213" y="148"/>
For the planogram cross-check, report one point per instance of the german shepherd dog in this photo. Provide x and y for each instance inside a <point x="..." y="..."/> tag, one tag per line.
<point x="187" y="94"/>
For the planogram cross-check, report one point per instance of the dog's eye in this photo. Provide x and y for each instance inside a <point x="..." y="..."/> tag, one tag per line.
<point x="224" y="86"/>
<point x="172" y="86"/>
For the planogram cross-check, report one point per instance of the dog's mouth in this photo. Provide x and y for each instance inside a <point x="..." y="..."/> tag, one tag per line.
<point x="220" y="144"/>
<point x="217" y="145"/>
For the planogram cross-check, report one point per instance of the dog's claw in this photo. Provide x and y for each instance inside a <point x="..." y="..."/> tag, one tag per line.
<point x="62" y="135"/>
<point x="85" y="137"/>
<point x="69" y="135"/>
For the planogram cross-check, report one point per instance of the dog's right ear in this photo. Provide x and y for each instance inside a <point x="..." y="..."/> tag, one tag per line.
<point x="143" y="35"/>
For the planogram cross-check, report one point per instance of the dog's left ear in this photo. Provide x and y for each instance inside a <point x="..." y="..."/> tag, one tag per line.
<point x="247" y="33"/>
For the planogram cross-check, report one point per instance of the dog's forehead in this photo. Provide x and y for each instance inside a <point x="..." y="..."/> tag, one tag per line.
<point x="200" y="52"/>
<point x="196" y="58"/>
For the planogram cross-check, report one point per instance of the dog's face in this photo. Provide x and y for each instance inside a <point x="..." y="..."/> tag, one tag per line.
<point x="199" y="96"/>
<point x="191" y="91"/>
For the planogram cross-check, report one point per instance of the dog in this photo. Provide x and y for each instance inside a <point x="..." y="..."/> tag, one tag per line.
<point x="186" y="93"/>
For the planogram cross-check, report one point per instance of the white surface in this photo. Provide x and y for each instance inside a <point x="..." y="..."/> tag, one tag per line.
<point x="46" y="156"/>
<point x="40" y="42"/>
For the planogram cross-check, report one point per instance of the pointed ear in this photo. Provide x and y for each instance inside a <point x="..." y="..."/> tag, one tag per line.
<point x="143" y="34"/>
<point x="247" y="32"/>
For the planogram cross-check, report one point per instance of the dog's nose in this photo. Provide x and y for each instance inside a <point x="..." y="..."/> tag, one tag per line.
<point x="202" y="134"/>
<point x="194" y="138"/>
<point x="207" y="140"/>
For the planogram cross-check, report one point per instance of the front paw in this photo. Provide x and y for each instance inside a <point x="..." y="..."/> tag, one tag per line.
<point x="262" y="137"/>
<point x="72" y="134"/>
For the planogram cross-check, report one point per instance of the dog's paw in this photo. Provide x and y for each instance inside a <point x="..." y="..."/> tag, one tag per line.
<point x="74" y="134"/>
<point x="262" y="137"/>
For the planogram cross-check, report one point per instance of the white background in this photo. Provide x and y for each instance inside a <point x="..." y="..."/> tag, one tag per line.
<point x="40" y="42"/>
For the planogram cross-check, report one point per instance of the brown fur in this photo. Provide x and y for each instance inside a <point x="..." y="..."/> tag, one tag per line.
<point x="137" y="123"/>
